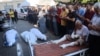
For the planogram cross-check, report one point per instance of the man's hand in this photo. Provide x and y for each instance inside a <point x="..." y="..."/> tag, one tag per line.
<point x="92" y="27"/>
<point x="87" y="20"/>
<point x="81" y="41"/>
<point x="69" y="37"/>
<point x="67" y="18"/>
<point x="68" y="45"/>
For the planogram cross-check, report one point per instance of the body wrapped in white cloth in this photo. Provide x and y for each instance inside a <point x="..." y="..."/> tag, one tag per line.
<point x="11" y="36"/>
<point x="32" y="36"/>
<point x="29" y="37"/>
<point x="38" y="34"/>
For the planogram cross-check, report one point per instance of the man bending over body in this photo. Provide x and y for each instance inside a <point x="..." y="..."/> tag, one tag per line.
<point x="78" y="37"/>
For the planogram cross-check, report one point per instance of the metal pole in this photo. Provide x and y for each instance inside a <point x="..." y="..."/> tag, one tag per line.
<point x="31" y="47"/>
<point x="19" y="50"/>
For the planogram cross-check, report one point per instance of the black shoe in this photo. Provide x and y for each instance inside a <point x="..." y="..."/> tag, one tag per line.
<point x="5" y="44"/>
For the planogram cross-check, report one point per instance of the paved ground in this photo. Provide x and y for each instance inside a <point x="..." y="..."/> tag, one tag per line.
<point x="11" y="51"/>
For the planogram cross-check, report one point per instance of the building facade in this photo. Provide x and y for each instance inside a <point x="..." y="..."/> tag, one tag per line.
<point x="7" y="4"/>
<point x="62" y="0"/>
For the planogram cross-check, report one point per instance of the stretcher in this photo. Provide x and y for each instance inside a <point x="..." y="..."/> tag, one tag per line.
<point x="81" y="52"/>
<point x="50" y="49"/>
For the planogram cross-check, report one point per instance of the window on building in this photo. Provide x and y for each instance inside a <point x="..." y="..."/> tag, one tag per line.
<point x="7" y="7"/>
<point x="18" y="4"/>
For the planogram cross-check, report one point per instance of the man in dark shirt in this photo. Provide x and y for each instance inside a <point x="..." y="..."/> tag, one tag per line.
<point x="16" y="16"/>
<point x="89" y="14"/>
<point x="71" y="18"/>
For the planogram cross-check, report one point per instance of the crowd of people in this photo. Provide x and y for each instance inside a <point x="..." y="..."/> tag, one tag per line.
<point x="62" y="19"/>
<point x="10" y="17"/>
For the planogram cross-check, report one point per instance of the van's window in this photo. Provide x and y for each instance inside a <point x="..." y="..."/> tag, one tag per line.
<point x="25" y="10"/>
<point x="21" y="10"/>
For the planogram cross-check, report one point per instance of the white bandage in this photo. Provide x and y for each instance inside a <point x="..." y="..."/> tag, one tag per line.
<point x="59" y="40"/>
<point x="68" y="45"/>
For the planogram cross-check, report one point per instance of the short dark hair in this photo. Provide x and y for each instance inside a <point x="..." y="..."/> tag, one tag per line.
<point x="1" y="12"/>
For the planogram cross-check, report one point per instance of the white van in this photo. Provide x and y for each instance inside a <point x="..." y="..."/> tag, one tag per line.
<point x="22" y="13"/>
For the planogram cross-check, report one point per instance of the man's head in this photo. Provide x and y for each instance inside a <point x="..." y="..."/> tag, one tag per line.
<point x="59" y="6"/>
<point x="78" y="24"/>
<point x="77" y="6"/>
<point x="63" y="7"/>
<point x="70" y="7"/>
<point x="11" y="9"/>
<point x="97" y="8"/>
<point x="1" y="13"/>
<point x="89" y="6"/>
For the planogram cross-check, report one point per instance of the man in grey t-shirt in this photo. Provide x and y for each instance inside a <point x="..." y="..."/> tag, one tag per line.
<point x="94" y="36"/>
